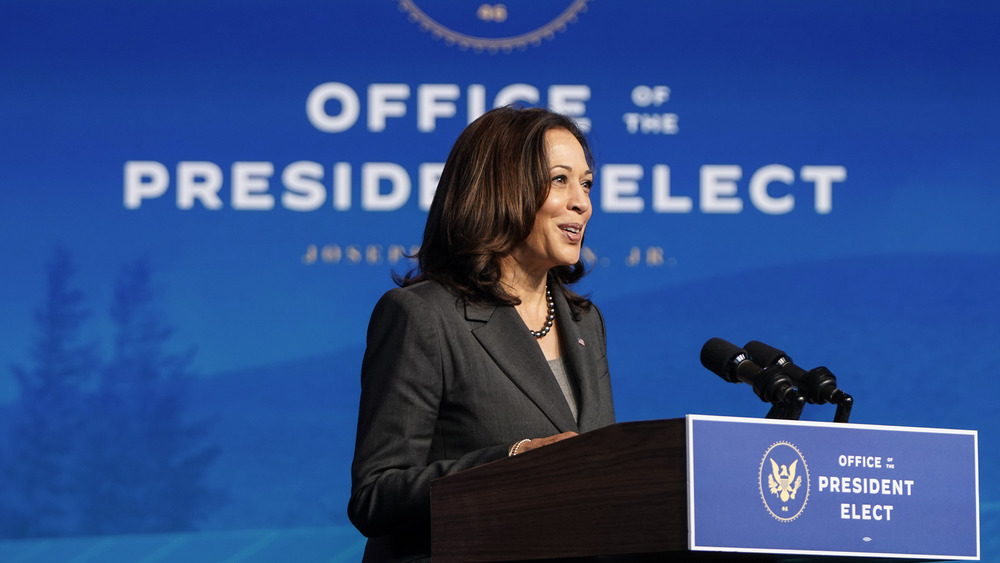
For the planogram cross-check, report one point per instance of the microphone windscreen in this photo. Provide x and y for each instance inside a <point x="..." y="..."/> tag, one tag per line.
<point x="762" y="354"/>
<point x="717" y="354"/>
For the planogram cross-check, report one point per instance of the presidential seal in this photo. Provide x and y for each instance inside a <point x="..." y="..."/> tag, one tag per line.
<point x="493" y="27"/>
<point x="783" y="480"/>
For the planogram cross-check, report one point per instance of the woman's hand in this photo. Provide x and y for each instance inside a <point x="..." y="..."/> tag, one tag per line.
<point x="539" y="442"/>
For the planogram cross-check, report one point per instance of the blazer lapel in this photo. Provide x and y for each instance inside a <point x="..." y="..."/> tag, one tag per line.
<point x="505" y="338"/>
<point x="582" y="366"/>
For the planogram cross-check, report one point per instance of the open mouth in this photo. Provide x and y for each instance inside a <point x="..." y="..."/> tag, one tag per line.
<point x="572" y="229"/>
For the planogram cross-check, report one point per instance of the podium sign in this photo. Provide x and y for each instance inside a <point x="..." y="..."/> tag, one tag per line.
<point x="769" y="486"/>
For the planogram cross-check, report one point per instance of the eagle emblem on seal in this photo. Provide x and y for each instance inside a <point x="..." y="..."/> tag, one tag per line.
<point x="783" y="481"/>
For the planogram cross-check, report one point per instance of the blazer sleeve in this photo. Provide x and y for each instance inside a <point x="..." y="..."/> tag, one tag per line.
<point x="402" y="383"/>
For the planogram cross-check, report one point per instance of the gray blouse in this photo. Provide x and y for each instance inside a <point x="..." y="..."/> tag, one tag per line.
<point x="558" y="367"/>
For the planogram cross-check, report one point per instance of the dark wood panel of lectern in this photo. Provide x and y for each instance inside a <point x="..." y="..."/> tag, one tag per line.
<point x="617" y="490"/>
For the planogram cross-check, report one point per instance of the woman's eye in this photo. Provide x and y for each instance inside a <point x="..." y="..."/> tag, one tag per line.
<point x="559" y="179"/>
<point x="587" y="184"/>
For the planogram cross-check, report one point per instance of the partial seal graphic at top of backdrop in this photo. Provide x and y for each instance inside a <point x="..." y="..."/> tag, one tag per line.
<point x="485" y="26"/>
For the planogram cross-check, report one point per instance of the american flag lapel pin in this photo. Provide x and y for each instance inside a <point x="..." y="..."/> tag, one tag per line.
<point x="582" y="343"/>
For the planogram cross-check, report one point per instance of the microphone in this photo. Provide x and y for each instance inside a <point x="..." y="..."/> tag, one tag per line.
<point x="732" y="363"/>
<point x="817" y="385"/>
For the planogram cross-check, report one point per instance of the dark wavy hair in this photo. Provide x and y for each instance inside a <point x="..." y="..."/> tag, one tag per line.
<point x="494" y="182"/>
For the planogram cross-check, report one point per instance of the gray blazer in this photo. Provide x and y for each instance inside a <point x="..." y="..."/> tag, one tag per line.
<point x="447" y="385"/>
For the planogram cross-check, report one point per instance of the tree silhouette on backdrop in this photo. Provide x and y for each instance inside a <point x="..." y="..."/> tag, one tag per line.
<point x="144" y="463"/>
<point x="103" y="449"/>
<point x="37" y="473"/>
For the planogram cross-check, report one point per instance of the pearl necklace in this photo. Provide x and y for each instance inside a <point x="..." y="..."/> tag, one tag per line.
<point x="548" y="320"/>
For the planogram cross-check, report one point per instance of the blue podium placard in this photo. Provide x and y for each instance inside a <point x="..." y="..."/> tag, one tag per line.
<point x="759" y="485"/>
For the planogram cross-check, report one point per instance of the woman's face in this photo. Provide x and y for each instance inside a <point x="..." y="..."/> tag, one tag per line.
<point x="557" y="235"/>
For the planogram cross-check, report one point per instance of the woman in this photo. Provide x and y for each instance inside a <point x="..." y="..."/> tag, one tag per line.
<point x="483" y="352"/>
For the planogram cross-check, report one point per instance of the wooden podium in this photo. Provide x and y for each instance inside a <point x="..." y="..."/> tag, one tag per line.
<point x="614" y="491"/>
<point x="621" y="493"/>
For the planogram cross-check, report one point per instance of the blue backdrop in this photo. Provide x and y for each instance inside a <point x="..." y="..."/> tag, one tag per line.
<point x="200" y="203"/>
